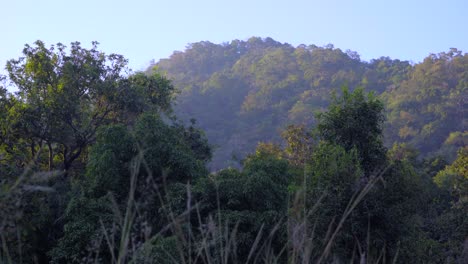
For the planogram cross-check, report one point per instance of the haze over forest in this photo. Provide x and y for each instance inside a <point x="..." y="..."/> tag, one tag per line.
<point x="249" y="151"/>
<point x="245" y="92"/>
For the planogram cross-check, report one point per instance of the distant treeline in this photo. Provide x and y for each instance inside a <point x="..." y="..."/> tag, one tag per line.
<point x="244" y="92"/>
<point x="95" y="167"/>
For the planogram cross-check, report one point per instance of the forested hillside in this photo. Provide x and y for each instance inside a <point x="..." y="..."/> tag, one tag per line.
<point x="97" y="167"/>
<point x="243" y="92"/>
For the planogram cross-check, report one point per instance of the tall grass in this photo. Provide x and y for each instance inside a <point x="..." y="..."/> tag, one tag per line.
<point x="210" y="240"/>
<point x="213" y="240"/>
<point x="12" y="193"/>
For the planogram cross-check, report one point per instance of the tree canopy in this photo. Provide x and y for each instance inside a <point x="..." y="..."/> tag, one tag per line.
<point x="96" y="167"/>
<point x="244" y="92"/>
<point x="63" y="97"/>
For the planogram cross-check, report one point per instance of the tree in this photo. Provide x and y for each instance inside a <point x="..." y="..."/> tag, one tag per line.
<point x="454" y="178"/>
<point x="446" y="220"/>
<point x="250" y="203"/>
<point x="63" y="98"/>
<point x="333" y="176"/>
<point x="427" y="107"/>
<point x="299" y="144"/>
<point x="154" y="158"/>
<point x="355" y="120"/>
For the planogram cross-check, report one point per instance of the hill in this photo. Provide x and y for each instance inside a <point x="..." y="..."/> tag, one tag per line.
<point x="245" y="92"/>
<point x="95" y="167"/>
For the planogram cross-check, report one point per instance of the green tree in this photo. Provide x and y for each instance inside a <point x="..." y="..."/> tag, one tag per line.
<point x="453" y="223"/>
<point x="63" y="98"/>
<point x="299" y="144"/>
<point x="355" y="120"/>
<point x="426" y="108"/>
<point x="65" y="95"/>
<point x="454" y="178"/>
<point x="154" y="158"/>
<point x="333" y="176"/>
<point x="247" y="204"/>
<point x="384" y="215"/>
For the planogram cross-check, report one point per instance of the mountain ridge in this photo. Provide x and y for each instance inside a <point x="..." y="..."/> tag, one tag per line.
<point x="245" y="92"/>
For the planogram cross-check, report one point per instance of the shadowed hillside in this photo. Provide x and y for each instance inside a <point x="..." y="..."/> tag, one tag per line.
<point x="243" y="92"/>
<point x="95" y="167"/>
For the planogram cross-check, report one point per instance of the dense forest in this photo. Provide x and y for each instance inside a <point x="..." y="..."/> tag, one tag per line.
<point x="244" y="92"/>
<point x="245" y="152"/>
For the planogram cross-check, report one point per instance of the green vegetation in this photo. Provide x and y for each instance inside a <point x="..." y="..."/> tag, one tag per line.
<point x="95" y="167"/>
<point x="244" y="92"/>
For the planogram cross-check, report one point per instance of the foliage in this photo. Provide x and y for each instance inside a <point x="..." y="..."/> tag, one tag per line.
<point x="428" y="106"/>
<point x="157" y="250"/>
<point x="454" y="178"/>
<point x="299" y="144"/>
<point x="252" y="202"/>
<point x="96" y="168"/>
<point x="64" y="96"/>
<point x="452" y="222"/>
<point x="332" y="179"/>
<point x="355" y="120"/>
<point x="166" y="157"/>
<point x="244" y="92"/>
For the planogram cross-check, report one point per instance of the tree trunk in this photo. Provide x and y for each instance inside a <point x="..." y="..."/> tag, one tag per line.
<point x="33" y="149"/>
<point x="51" y="156"/>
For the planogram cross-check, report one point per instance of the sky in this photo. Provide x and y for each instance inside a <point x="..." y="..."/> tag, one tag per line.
<point x="145" y="30"/>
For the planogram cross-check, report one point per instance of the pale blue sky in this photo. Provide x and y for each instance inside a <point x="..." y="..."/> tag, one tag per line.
<point x="142" y="30"/>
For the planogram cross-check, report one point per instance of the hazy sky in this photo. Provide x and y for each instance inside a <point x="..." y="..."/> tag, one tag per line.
<point x="142" y="30"/>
